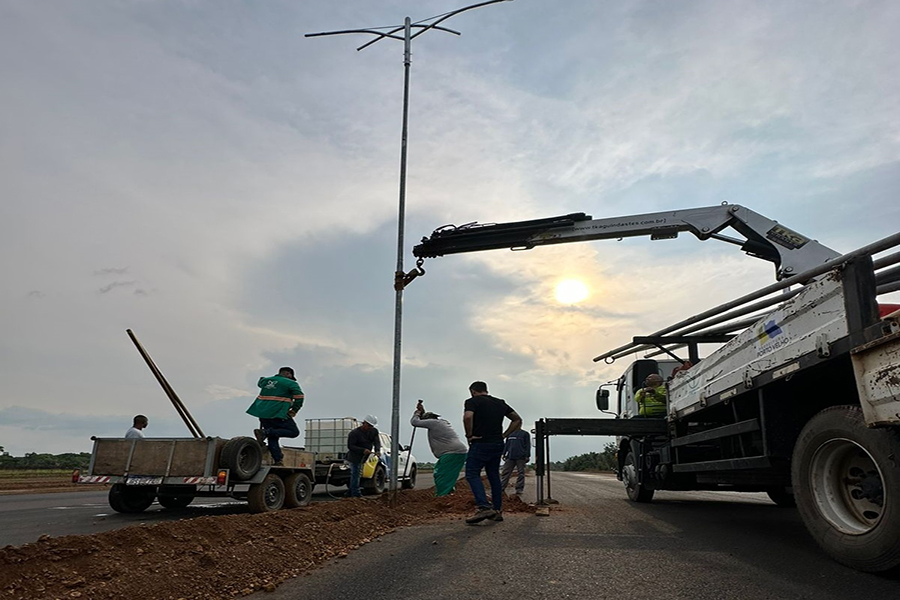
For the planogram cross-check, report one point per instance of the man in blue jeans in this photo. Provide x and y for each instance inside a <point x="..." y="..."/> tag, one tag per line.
<point x="483" y="420"/>
<point x="361" y="443"/>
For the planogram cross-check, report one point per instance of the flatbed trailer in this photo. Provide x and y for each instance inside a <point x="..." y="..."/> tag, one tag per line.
<point x="174" y="471"/>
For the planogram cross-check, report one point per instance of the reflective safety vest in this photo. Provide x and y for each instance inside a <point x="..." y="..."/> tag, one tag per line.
<point x="277" y="396"/>
<point x="652" y="403"/>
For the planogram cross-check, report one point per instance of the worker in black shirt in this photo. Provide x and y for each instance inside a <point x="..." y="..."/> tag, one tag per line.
<point x="360" y="443"/>
<point x="483" y="420"/>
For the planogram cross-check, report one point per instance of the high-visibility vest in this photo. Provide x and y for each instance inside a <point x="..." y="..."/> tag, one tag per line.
<point x="652" y="403"/>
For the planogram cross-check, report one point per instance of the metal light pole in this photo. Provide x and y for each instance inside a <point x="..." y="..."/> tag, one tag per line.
<point x="402" y="279"/>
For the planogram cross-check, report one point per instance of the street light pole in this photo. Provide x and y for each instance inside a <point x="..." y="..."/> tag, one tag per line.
<point x="401" y="279"/>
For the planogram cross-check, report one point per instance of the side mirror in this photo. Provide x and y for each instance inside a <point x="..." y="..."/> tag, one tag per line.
<point x="602" y="399"/>
<point x="404" y="448"/>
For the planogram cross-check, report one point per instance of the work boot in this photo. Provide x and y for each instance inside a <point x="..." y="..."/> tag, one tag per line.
<point x="260" y="437"/>
<point x="278" y="463"/>
<point x="498" y="516"/>
<point x="480" y="515"/>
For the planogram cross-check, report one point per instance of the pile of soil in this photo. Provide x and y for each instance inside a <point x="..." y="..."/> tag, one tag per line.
<point x="216" y="557"/>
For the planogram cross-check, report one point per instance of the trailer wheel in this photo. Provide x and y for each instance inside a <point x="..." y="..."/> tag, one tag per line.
<point x="266" y="496"/>
<point x="242" y="456"/>
<point x="636" y="491"/>
<point x="131" y="498"/>
<point x="378" y="483"/>
<point x="298" y="489"/>
<point x="781" y="497"/>
<point x="846" y="479"/>
<point x="175" y="496"/>
<point x="410" y="482"/>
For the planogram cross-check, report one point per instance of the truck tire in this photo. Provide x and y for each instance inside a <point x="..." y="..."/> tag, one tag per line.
<point x="298" y="490"/>
<point x="781" y="497"/>
<point x="175" y="496"/>
<point x="636" y="491"/>
<point x="242" y="456"/>
<point x="378" y="482"/>
<point x="410" y="482"/>
<point x="266" y="496"/>
<point x="846" y="479"/>
<point x="131" y="498"/>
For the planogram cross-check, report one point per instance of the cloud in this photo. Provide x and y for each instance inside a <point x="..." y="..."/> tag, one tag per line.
<point x="111" y="271"/>
<point x="115" y="284"/>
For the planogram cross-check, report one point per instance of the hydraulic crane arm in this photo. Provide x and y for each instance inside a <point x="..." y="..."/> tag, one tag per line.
<point x="764" y="238"/>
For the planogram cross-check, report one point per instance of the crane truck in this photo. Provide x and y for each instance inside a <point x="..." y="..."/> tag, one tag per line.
<point x="800" y="399"/>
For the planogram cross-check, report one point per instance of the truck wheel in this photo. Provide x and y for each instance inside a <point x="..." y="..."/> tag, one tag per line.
<point x="131" y="499"/>
<point x="266" y="496"/>
<point x="781" y="497"/>
<point x="410" y="482"/>
<point x="636" y="491"/>
<point x="175" y="496"/>
<point x="298" y="490"/>
<point x="242" y="456"/>
<point x="846" y="478"/>
<point x="378" y="483"/>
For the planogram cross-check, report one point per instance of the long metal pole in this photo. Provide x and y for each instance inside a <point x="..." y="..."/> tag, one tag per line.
<point x="398" y="298"/>
<point x="180" y="408"/>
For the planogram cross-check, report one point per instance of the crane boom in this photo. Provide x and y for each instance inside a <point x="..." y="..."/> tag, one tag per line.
<point x="764" y="238"/>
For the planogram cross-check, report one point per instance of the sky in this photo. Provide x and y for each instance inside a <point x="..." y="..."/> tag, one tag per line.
<point x="203" y="174"/>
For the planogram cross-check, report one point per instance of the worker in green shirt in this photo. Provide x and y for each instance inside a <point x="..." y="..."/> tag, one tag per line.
<point x="279" y="399"/>
<point x="651" y="399"/>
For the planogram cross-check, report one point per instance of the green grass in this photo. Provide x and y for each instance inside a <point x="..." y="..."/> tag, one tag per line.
<point x="26" y="473"/>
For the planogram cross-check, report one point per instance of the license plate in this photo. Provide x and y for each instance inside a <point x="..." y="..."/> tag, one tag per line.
<point x="143" y="481"/>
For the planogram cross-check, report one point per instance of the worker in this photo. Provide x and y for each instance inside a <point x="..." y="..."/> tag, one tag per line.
<point x="279" y="400"/>
<point x="651" y="399"/>
<point x="362" y="442"/>
<point x="446" y="446"/>
<point x="516" y="454"/>
<point x="483" y="420"/>
<point x="139" y="423"/>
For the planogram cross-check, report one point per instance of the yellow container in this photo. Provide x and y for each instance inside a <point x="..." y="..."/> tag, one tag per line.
<point x="368" y="470"/>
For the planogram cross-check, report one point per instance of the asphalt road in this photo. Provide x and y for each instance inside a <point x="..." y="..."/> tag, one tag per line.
<point x="26" y="517"/>
<point x="597" y="544"/>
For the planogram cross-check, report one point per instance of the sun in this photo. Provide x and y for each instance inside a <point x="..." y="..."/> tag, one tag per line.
<point x="571" y="291"/>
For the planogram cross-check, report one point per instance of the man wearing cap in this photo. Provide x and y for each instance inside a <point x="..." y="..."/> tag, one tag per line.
<point x="450" y="451"/>
<point x="651" y="399"/>
<point x="279" y="399"/>
<point x="360" y="443"/>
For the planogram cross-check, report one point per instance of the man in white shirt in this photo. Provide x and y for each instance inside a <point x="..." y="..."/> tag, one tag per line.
<point x="140" y="421"/>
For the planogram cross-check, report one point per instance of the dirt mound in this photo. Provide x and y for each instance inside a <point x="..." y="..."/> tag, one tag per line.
<point x="215" y="557"/>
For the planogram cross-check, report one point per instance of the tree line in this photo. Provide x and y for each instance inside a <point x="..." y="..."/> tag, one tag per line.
<point x="593" y="461"/>
<point x="35" y="460"/>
